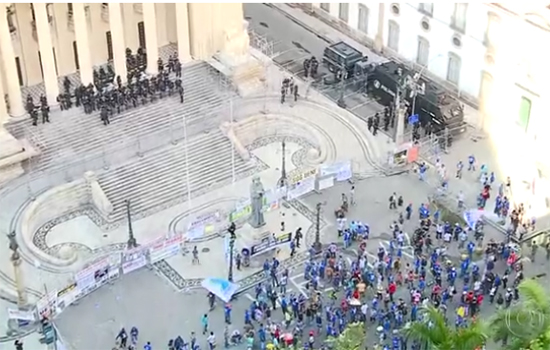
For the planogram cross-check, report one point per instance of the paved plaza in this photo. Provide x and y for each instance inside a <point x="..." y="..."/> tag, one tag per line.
<point x="183" y="172"/>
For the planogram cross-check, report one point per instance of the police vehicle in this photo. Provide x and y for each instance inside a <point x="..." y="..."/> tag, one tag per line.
<point x="433" y="106"/>
<point x="342" y="55"/>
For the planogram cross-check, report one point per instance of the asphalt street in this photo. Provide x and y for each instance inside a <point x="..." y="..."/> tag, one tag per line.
<point x="292" y="44"/>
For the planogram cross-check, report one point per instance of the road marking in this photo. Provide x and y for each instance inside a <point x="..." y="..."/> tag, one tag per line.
<point x="300" y="286"/>
<point x="386" y="247"/>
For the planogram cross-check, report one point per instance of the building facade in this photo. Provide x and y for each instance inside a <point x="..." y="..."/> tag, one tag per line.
<point x="492" y="53"/>
<point x="41" y="42"/>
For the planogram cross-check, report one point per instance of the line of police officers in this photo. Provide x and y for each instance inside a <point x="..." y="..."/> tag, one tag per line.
<point x="108" y="94"/>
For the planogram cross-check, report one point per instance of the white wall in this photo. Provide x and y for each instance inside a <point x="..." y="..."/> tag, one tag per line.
<point x="440" y="37"/>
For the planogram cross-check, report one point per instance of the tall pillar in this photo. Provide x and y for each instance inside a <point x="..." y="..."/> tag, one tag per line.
<point x="9" y="67"/>
<point x="151" y="40"/>
<point x="82" y="43"/>
<point x="379" y="38"/>
<point x="46" y="52"/>
<point x="3" y="109"/>
<point x="117" y="35"/>
<point x="182" y="20"/>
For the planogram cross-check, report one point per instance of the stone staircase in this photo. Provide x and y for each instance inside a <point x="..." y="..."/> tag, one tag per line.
<point x="74" y="136"/>
<point x="161" y="176"/>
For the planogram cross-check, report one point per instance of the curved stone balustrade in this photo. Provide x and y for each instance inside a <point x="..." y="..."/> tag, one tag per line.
<point x="258" y="126"/>
<point x="52" y="204"/>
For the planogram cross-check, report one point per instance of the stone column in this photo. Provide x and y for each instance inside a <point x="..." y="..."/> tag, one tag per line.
<point x="3" y="109"/>
<point x="46" y="52"/>
<point x="379" y="38"/>
<point x="150" y="19"/>
<point x="182" y="20"/>
<point x="82" y="43"/>
<point x="9" y="67"/>
<point x="117" y="35"/>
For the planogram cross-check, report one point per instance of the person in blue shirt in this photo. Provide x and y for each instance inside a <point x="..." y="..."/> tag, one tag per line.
<point x="471" y="163"/>
<point x="422" y="172"/>
<point x="147" y="346"/>
<point x="227" y="313"/>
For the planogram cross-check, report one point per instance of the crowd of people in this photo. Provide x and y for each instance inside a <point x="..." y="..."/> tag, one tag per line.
<point x="108" y="94"/>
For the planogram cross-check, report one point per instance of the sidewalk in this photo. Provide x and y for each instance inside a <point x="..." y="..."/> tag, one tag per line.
<point x="332" y="35"/>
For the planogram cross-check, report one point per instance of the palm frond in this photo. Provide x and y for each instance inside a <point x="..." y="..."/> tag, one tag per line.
<point x="534" y="296"/>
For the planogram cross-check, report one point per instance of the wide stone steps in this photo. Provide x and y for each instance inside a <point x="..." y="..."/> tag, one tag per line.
<point x="161" y="176"/>
<point x="74" y="135"/>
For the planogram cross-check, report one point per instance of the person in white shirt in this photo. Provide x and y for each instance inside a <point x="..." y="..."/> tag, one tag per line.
<point x="211" y="341"/>
<point x="447" y="237"/>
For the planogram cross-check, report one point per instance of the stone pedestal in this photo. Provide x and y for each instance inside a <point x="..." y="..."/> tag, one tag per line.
<point x="12" y="153"/>
<point x="245" y="72"/>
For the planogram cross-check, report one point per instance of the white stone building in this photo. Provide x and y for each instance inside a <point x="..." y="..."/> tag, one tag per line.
<point x="493" y="54"/>
<point x="41" y="42"/>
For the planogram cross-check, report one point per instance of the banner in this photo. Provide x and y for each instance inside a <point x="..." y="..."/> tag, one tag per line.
<point x="47" y="305"/>
<point x="206" y="219"/>
<point x="67" y="296"/>
<point x="326" y="183"/>
<point x="165" y="249"/>
<point x="21" y="315"/>
<point x="270" y="242"/>
<point x="242" y="211"/>
<point x="93" y="276"/>
<point x="344" y="172"/>
<point x="134" y="259"/>
<point x="302" y="188"/>
<point x="298" y="177"/>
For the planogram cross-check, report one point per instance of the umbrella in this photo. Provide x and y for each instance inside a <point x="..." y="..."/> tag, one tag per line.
<point x="220" y="287"/>
<point x="355" y="302"/>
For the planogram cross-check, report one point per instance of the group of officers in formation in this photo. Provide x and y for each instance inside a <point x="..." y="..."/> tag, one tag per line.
<point x="108" y="94"/>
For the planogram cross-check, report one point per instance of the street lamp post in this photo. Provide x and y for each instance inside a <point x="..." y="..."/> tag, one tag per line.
<point x="317" y="244"/>
<point x="283" y="181"/>
<point x="132" y="243"/>
<point x="232" y="238"/>
<point x="16" y="262"/>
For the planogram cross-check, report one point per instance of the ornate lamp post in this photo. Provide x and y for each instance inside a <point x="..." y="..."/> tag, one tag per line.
<point x="317" y="244"/>
<point x="16" y="262"/>
<point x="232" y="238"/>
<point x="132" y="243"/>
<point x="283" y="181"/>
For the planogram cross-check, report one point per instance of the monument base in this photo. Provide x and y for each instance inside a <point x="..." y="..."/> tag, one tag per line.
<point x="244" y="72"/>
<point x="12" y="153"/>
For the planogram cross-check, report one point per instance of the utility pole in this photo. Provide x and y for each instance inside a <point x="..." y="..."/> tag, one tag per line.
<point x="16" y="263"/>
<point x="283" y="181"/>
<point x="232" y="238"/>
<point x="400" y="115"/>
<point x="132" y="243"/>
<point x="317" y="244"/>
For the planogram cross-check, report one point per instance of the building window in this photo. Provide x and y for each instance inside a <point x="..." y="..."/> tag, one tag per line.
<point x="325" y="6"/>
<point x="109" y="38"/>
<point x="524" y="113"/>
<point x="363" y="21"/>
<point x="423" y="53"/>
<point x="393" y="36"/>
<point x="70" y="8"/>
<point x="141" y="35"/>
<point x="343" y="12"/>
<point x="75" y="54"/>
<point x="453" y="68"/>
<point x="426" y="8"/>
<point x="458" y="21"/>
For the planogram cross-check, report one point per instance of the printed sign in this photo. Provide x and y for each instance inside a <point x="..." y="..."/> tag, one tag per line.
<point x="21" y="315"/>
<point x="295" y="178"/>
<point x="67" y="296"/>
<point x="326" y="183"/>
<point x="47" y="305"/>
<point x="165" y="249"/>
<point x="205" y="220"/>
<point x="270" y="242"/>
<point x="344" y="172"/>
<point x="302" y="188"/>
<point x="134" y="259"/>
<point x="93" y="276"/>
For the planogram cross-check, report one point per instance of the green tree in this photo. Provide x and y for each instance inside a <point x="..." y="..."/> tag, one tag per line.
<point x="434" y="333"/>
<point x="352" y="338"/>
<point x="525" y="325"/>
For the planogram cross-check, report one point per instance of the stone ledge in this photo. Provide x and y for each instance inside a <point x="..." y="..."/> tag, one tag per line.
<point x="51" y="204"/>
